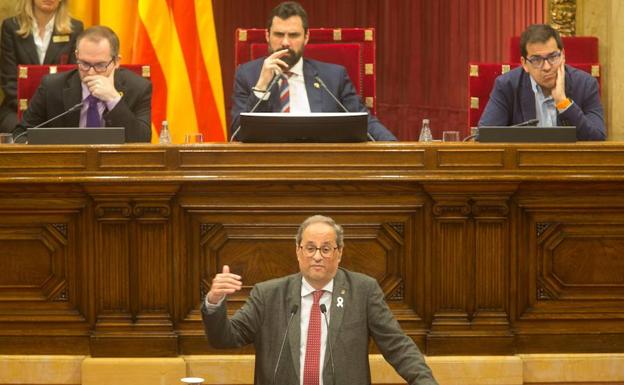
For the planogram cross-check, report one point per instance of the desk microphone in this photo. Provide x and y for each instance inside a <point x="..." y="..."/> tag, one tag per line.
<point x="71" y="109"/>
<point x="271" y="84"/>
<point x="530" y="122"/>
<point x="331" y="355"/>
<point x="293" y="311"/>
<point x="322" y="83"/>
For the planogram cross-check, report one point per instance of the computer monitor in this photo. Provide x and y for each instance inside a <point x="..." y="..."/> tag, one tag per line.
<point x="334" y="127"/>
<point x="526" y="134"/>
<point x="76" y="135"/>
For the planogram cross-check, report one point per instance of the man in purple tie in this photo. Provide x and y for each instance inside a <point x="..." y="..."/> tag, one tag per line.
<point x="97" y="94"/>
<point x="313" y="327"/>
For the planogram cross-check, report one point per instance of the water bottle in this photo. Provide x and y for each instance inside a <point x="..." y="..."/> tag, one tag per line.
<point x="425" y="132"/>
<point x="164" y="137"/>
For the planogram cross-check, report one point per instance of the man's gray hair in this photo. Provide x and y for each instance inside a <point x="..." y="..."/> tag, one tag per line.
<point x="321" y="219"/>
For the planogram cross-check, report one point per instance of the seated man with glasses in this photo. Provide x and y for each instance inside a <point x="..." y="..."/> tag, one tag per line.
<point x="544" y="88"/>
<point x="287" y="319"/>
<point x="100" y="93"/>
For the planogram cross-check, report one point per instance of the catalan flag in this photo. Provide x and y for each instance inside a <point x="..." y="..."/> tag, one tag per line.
<point x="177" y="38"/>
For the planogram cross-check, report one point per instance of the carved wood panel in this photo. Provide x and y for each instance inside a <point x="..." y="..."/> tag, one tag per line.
<point x="569" y="266"/>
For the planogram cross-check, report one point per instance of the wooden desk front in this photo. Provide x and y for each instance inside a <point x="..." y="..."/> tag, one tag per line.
<point x="481" y="249"/>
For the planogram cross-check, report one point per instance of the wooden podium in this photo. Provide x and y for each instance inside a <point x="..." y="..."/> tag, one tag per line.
<point x="480" y="248"/>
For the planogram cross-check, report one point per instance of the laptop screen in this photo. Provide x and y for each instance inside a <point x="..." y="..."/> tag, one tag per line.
<point x="334" y="127"/>
<point x="76" y="135"/>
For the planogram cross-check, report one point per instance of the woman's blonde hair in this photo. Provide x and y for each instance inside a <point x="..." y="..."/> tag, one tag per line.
<point x="26" y="14"/>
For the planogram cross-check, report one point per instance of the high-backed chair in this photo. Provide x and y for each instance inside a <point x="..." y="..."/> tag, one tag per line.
<point x="29" y="77"/>
<point x="353" y="48"/>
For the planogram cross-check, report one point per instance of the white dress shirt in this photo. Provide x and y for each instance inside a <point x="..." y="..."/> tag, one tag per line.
<point x="42" y="44"/>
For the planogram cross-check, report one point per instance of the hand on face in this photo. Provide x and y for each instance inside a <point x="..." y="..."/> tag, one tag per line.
<point x="102" y="86"/>
<point x="273" y="65"/>
<point x="558" y="93"/>
<point x="223" y="284"/>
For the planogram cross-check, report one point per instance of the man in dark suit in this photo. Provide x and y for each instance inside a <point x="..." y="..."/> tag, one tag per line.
<point x="110" y="96"/>
<point x="290" y="308"/>
<point x="287" y="36"/>
<point x="544" y="88"/>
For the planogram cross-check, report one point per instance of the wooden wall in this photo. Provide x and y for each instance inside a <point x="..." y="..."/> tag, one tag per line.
<point x="480" y="249"/>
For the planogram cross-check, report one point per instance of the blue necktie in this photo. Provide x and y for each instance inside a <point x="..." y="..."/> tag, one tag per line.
<point x="93" y="115"/>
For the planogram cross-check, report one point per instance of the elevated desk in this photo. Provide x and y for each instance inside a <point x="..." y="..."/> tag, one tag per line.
<point x="480" y="248"/>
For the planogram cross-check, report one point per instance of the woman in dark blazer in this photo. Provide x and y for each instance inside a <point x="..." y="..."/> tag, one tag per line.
<point x="42" y="32"/>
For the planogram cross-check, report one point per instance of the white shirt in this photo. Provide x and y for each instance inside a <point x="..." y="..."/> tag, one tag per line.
<point x="43" y="44"/>
<point x="306" y="306"/>
<point x="296" y="87"/>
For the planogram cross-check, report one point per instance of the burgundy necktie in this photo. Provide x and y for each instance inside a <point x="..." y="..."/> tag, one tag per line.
<point x="311" y="366"/>
<point x="93" y="115"/>
<point x="284" y="92"/>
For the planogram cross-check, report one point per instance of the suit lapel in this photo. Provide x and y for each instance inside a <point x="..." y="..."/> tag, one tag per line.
<point x="53" y="50"/>
<point x="72" y="95"/>
<point x="527" y="99"/>
<point x="294" y="334"/>
<point x="313" y="89"/>
<point x="28" y="46"/>
<point x="338" y="306"/>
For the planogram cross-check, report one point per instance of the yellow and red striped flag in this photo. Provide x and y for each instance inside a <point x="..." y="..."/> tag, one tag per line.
<point x="177" y="38"/>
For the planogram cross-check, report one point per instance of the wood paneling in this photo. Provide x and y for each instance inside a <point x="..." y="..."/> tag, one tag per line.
<point x="480" y="248"/>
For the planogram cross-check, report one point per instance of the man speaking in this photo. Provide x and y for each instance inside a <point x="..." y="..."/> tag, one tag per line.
<point x="98" y="93"/>
<point x="296" y="89"/>
<point x="313" y="327"/>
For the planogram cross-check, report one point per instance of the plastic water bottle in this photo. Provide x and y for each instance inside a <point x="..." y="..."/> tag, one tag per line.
<point x="425" y="132"/>
<point x="164" y="137"/>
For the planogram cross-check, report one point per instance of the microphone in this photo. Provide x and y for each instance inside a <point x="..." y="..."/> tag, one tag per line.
<point x="530" y="122"/>
<point x="271" y="84"/>
<point x="293" y="311"/>
<point x="322" y="83"/>
<point x="331" y="355"/>
<point x="71" y="109"/>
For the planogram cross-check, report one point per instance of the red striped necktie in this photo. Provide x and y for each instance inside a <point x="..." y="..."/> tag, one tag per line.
<point x="311" y="366"/>
<point x="284" y="92"/>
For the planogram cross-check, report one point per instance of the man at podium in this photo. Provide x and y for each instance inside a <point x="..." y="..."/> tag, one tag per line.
<point x="287" y="82"/>
<point x="544" y="88"/>
<point x="313" y="327"/>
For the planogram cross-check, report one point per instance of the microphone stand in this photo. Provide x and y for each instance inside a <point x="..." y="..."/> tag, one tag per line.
<point x="71" y="109"/>
<point x="253" y="109"/>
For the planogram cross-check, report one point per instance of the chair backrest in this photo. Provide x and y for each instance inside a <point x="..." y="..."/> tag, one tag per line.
<point x="29" y="77"/>
<point x="481" y="80"/>
<point x="578" y="49"/>
<point x="353" y="48"/>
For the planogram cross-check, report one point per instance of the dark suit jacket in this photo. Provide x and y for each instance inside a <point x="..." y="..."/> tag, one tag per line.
<point x="15" y="50"/>
<point x="512" y="101"/>
<point x="334" y="76"/>
<point x="59" y="92"/>
<point x="263" y="319"/>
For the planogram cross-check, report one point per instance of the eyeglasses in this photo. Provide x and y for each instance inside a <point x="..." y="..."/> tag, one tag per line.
<point x="310" y="250"/>
<point x="538" y="61"/>
<point x="98" y="67"/>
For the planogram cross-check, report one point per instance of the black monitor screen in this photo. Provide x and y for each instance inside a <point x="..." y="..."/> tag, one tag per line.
<point x="76" y="135"/>
<point x="335" y="127"/>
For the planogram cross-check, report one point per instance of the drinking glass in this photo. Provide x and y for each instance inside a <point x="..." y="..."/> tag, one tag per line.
<point x="450" y="136"/>
<point x="193" y="138"/>
<point x="6" y="138"/>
